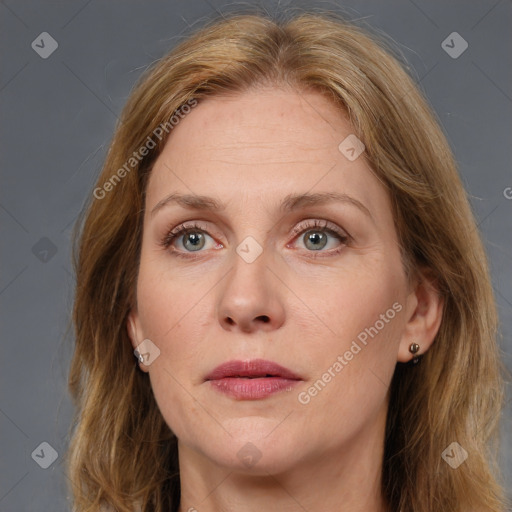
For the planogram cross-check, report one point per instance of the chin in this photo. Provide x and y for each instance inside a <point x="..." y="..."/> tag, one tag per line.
<point x="256" y="447"/>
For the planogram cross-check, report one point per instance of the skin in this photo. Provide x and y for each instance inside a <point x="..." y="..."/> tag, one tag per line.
<point x="249" y="151"/>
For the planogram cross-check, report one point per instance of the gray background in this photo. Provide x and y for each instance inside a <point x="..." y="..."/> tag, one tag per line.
<point x="58" y="115"/>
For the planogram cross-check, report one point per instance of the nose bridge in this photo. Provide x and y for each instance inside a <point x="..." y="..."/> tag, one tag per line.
<point x="249" y="294"/>
<point x="250" y="261"/>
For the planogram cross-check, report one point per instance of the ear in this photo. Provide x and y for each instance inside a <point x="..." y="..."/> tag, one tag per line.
<point x="424" y="310"/>
<point x="133" y="328"/>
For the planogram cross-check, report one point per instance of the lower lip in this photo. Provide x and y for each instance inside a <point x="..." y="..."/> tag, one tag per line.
<point x="252" y="389"/>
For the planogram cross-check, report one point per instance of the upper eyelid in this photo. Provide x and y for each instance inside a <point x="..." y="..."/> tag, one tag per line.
<point x="326" y="225"/>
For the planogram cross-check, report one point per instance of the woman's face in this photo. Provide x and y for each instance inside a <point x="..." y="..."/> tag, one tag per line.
<point x="277" y="273"/>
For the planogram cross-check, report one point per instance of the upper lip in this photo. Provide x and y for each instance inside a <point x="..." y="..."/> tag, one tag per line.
<point x="254" y="368"/>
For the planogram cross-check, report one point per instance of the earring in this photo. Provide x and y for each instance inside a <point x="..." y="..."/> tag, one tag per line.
<point x="413" y="349"/>
<point x="136" y="353"/>
<point x="139" y="356"/>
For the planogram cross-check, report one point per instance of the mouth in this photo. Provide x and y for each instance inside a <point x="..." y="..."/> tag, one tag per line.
<point x="251" y="380"/>
<point x="253" y="369"/>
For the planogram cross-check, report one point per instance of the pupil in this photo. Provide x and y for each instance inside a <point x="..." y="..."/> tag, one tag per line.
<point x="315" y="238"/>
<point x="195" y="239"/>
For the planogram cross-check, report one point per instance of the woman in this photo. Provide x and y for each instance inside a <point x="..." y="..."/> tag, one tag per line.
<point x="280" y="236"/>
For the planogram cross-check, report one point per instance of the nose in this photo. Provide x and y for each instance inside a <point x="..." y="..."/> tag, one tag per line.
<point x="252" y="296"/>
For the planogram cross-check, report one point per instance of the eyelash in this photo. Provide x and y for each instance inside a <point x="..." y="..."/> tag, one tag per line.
<point x="326" y="226"/>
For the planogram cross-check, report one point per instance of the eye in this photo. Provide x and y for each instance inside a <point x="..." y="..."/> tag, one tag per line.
<point x="317" y="234"/>
<point x="193" y="236"/>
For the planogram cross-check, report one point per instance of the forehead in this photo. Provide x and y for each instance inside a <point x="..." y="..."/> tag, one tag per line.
<point x="260" y="120"/>
<point x="262" y="144"/>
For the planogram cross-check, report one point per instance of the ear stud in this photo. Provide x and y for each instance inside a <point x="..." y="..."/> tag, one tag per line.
<point x="413" y="349"/>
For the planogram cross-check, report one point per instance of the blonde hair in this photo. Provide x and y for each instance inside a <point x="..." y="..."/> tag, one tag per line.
<point x="122" y="451"/>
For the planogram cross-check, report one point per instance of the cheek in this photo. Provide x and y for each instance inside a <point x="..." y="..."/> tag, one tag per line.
<point x="362" y="314"/>
<point x="337" y="307"/>
<point x="174" y="322"/>
<point x="170" y="314"/>
<point x="167" y="302"/>
<point x="174" y="401"/>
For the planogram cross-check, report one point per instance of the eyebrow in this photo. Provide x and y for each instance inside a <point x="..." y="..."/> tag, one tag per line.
<point x="290" y="203"/>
